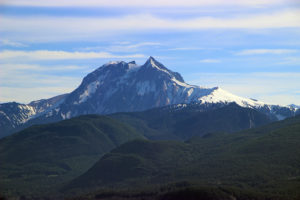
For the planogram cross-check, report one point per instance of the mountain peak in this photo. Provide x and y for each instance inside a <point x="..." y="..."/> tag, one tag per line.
<point x="152" y="59"/>
<point x="132" y="62"/>
<point x="119" y="86"/>
<point x="153" y="63"/>
<point x="113" y="63"/>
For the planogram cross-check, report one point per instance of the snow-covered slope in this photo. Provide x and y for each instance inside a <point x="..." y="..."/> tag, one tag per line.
<point x="13" y="115"/>
<point x="126" y="87"/>
<point x="45" y="105"/>
<point x="15" y="112"/>
<point x="218" y="95"/>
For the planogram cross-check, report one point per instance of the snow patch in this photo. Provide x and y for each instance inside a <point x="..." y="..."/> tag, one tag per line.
<point x="26" y="114"/>
<point x="145" y="87"/>
<point x="66" y="116"/>
<point x="180" y="105"/>
<point x="181" y="83"/>
<point x="152" y="62"/>
<point x="190" y="92"/>
<point x="168" y="101"/>
<point x="90" y="89"/>
<point x="4" y="114"/>
<point x="132" y="66"/>
<point x="219" y="95"/>
<point x="112" y="63"/>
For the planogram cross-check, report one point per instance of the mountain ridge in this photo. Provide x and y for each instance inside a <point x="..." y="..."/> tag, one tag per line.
<point x="118" y="86"/>
<point x="186" y="121"/>
<point x="51" y="154"/>
<point x="264" y="159"/>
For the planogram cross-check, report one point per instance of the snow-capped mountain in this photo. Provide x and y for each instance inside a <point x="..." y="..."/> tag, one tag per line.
<point x="127" y="87"/>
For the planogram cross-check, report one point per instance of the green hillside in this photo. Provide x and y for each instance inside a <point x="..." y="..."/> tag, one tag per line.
<point x="88" y="153"/>
<point x="42" y="158"/>
<point x="192" y="120"/>
<point x="264" y="160"/>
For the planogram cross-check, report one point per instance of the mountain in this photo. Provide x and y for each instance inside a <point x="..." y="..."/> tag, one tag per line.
<point x="264" y="160"/>
<point x="127" y="87"/>
<point x="13" y="115"/>
<point x="45" y="105"/>
<point x="43" y="157"/>
<point x="64" y="149"/>
<point x="296" y="108"/>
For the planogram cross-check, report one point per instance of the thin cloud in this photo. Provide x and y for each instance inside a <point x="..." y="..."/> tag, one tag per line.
<point x="185" y="49"/>
<point x="210" y="61"/>
<point x="68" y="28"/>
<point x="265" y="51"/>
<point x="26" y="95"/>
<point x="290" y="61"/>
<point x="123" y="47"/>
<point x="152" y="3"/>
<point x="35" y="75"/>
<point x="28" y="85"/>
<point x="11" y="43"/>
<point x="13" y="68"/>
<point x="30" y="82"/>
<point x="60" y="55"/>
<point x="143" y="44"/>
<point x="132" y="47"/>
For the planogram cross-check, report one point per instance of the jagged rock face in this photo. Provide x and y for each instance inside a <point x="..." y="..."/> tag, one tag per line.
<point x="123" y="87"/>
<point x="127" y="87"/>
<point x="13" y="115"/>
<point x="45" y="104"/>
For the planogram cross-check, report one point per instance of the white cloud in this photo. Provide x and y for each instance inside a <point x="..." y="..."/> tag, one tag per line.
<point x="28" y="85"/>
<point x="266" y="51"/>
<point x="210" y="61"/>
<point x="11" y="43"/>
<point x="123" y="47"/>
<point x="185" y="48"/>
<point x="69" y="28"/>
<point x="59" y="55"/>
<point x="24" y="83"/>
<point x="26" y="74"/>
<point x="149" y="3"/>
<point x="134" y="46"/>
<point x="290" y="61"/>
<point x="9" y="69"/>
<point x="131" y="47"/>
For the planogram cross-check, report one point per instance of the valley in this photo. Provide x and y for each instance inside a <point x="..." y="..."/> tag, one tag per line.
<point x="141" y="132"/>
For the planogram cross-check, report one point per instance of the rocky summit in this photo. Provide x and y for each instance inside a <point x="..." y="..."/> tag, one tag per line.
<point x="126" y="87"/>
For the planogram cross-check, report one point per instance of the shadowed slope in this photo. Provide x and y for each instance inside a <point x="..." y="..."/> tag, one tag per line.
<point x="45" y="156"/>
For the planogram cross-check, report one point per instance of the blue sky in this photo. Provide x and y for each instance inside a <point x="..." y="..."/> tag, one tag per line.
<point x="248" y="47"/>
